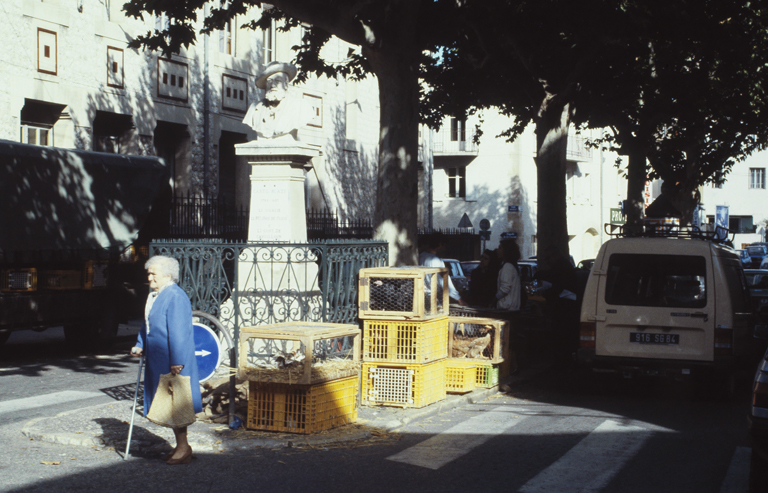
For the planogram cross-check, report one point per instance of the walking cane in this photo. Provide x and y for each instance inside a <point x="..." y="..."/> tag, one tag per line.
<point x="133" y="413"/>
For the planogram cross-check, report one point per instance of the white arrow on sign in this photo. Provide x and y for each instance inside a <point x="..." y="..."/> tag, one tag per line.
<point x="202" y="353"/>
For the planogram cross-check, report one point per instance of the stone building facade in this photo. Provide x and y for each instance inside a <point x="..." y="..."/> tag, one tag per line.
<point x="496" y="180"/>
<point x="68" y="79"/>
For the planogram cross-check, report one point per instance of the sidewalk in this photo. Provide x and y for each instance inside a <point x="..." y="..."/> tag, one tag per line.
<point x="106" y="426"/>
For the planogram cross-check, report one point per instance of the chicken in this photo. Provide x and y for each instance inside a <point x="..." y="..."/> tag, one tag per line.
<point x="471" y="347"/>
<point x="289" y="359"/>
<point x="478" y="346"/>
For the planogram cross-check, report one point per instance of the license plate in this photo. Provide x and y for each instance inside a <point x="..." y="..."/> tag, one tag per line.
<point x="644" y="338"/>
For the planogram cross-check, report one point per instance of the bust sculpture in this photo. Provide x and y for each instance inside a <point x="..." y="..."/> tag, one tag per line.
<point x="280" y="114"/>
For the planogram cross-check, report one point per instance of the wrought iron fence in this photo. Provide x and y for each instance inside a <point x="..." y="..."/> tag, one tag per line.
<point x="248" y="284"/>
<point x="326" y="225"/>
<point x="205" y="217"/>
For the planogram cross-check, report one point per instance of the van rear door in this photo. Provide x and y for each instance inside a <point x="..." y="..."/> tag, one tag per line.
<point x="659" y="305"/>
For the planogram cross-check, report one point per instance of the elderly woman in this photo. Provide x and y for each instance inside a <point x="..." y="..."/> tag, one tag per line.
<point x="167" y="341"/>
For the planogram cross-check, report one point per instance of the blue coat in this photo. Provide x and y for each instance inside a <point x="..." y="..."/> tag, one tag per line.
<point x="170" y="342"/>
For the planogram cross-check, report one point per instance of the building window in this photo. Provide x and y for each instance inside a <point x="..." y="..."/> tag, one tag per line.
<point x="172" y="77"/>
<point x="47" y="52"/>
<point x="235" y="97"/>
<point x="225" y="39"/>
<point x="457" y="182"/>
<point x="757" y="178"/>
<point x="269" y="44"/>
<point x="162" y="22"/>
<point x="37" y="122"/>
<point x="112" y="132"/>
<point x="458" y="130"/>
<point x="114" y="67"/>
<point x="36" y="135"/>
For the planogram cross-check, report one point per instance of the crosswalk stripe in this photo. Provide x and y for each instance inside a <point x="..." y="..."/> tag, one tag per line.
<point x="457" y="441"/>
<point x="46" y="400"/>
<point x="737" y="477"/>
<point x="610" y="445"/>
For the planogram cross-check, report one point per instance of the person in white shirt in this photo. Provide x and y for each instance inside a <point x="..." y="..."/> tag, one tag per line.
<point x="434" y="244"/>
<point x="508" y="290"/>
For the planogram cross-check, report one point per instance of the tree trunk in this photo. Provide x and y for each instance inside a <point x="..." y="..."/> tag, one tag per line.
<point x="636" y="178"/>
<point x="551" y="144"/>
<point x="686" y="201"/>
<point x="395" y="218"/>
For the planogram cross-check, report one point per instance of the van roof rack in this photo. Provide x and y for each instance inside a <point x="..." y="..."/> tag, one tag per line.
<point x="666" y="228"/>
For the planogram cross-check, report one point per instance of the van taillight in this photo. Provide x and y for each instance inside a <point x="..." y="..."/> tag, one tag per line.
<point x="760" y="394"/>
<point x="723" y="342"/>
<point x="587" y="335"/>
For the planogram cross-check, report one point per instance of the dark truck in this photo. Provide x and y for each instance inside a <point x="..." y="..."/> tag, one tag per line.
<point x="68" y="231"/>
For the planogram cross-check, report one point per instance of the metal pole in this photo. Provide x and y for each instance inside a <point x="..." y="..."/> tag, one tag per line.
<point x="133" y="412"/>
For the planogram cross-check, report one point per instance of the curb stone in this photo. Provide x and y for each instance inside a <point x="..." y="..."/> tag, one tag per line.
<point x="105" y="426"/>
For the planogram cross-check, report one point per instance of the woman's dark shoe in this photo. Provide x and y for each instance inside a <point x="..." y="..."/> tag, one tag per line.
<point x="167" y="455"/>
<point x="184" y="459"/>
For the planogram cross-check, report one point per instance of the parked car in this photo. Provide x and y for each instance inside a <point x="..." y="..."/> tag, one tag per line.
<point x="757" y="253"/>
<point x="757" y="282"/>
<point x="758" y="429"/>
<point x="746" y="260"/>
<point x="460" y="282"/>
<point x="468" y="266"/>
<point x="527" y="270"/>
<point x="674" y="307"/>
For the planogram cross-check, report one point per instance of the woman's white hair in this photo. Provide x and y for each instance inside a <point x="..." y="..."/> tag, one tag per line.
<point x="166" y="266"/>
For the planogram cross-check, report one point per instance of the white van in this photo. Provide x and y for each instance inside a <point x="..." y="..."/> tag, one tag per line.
<point x="665" y="306"/>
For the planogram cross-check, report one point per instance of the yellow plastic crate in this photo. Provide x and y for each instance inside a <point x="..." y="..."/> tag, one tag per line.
<point x="302" y="409"/>
<point x="402" y="293"/>
<point x="460" y="376"/>
<point x="60" y="279"/>
<point x="488" y="376"/>
<point x="405" y="342"/>
<point x="403" y="385"/>
<point x="483" y="340"/>
<point x="18" y="280"/>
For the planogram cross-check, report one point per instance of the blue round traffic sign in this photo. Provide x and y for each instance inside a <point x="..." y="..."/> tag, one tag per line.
<point x="207" y="351"/>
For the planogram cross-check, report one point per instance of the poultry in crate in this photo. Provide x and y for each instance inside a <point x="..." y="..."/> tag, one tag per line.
<point x="472" y="347"/>
<point x="395" y="295"/>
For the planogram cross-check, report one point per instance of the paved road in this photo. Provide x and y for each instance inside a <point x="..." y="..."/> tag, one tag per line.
<point x="40" y="375"/>
<point x="556" y="433"/>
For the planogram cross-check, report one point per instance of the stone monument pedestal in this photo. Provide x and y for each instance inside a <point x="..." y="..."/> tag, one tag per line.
<point x="276" y="283"/>
<point x="278" y="211"/>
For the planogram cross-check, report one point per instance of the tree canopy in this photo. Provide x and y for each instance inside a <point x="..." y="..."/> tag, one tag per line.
<point x="393" y="36"/>
<point x="677" y="83"/>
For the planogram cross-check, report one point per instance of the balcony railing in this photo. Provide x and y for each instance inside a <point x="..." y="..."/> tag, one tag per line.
<point x="577" y="147"/>
<point x="446" y="142"/>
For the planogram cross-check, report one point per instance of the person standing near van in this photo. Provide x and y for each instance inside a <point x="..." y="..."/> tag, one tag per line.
<point x="483" y="280"/>
<point x="434" y="245"/>
<point x="563" y="293"/>
<point x="508" y="293"/>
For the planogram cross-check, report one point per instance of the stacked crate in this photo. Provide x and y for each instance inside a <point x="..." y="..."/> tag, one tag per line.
<point x="303" y="376"/>
<point x="477" y="353"/>
<point x="405" y="335"/>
